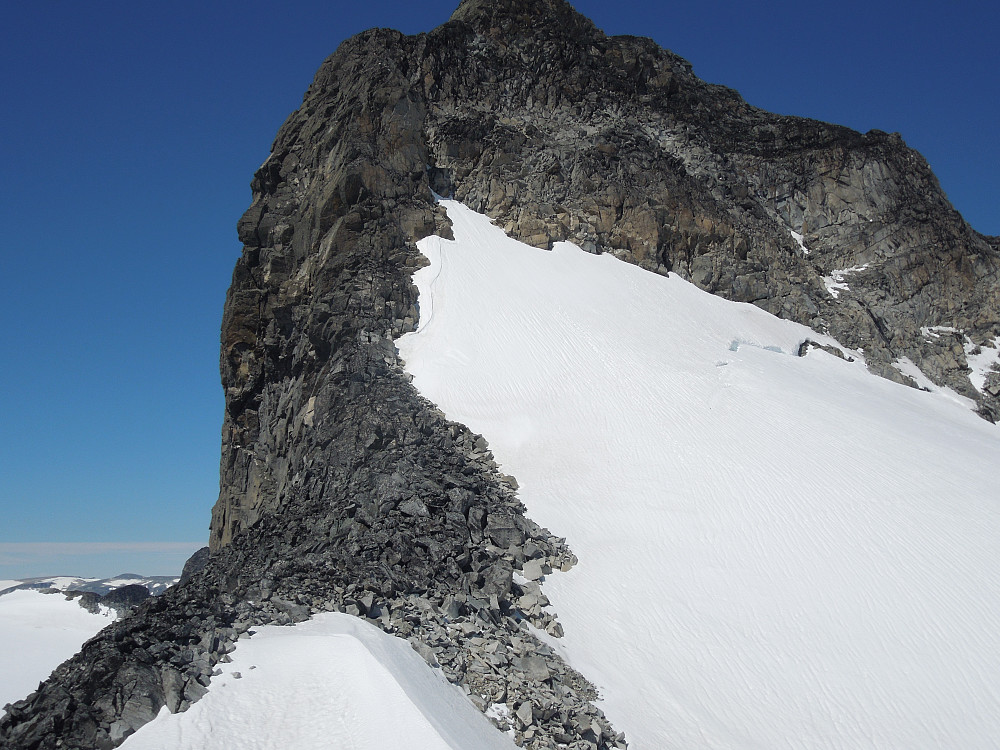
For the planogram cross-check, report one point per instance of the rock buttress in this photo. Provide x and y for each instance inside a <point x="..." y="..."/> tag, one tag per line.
<point x="341" y="489"/>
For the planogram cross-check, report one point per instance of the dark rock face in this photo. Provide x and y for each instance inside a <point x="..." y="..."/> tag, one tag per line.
<point x="342" y="489"/>
<point x="122" y="599"/>
<point x="194" y="564"/>
<point x="559" y="132"/>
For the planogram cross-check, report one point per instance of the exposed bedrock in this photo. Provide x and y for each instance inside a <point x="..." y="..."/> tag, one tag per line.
<point x="341" y="488"/>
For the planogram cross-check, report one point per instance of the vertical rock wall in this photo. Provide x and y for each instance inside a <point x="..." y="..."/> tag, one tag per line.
<point x="340" y="488"/>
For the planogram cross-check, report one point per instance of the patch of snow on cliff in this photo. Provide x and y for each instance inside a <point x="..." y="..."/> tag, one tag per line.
<point x="982" y="360"/>
<point x="936" y="331"/>
<point x="775" y="551"/>
<point x="835" y="283"/>
<point x="798" y="238"/>
<point x="334" y="681"/>
<point x="38" y="632"/>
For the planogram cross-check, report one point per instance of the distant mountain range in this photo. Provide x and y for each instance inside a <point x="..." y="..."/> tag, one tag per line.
<point x="154" y="584"/>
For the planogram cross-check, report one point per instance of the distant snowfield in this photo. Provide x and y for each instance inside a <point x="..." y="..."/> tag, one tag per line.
<point x="38" y="632"/>
<point x="775" y="551"/>
<point x="334" y="681"/>
<point x="154" y="584"/>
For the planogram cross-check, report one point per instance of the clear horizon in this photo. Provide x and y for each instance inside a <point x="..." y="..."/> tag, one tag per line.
<point x="23" y="560"/>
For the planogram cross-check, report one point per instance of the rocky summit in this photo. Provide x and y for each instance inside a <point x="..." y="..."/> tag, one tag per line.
<point x="343" y="490"/>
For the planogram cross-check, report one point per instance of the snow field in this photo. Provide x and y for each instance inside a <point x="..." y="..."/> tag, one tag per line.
<point x="775" y="552"/>
<point x="331" y="682"/>
<point x="38" y="632"/>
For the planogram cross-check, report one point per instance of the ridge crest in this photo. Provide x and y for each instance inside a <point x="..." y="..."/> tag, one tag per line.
<point x="508" y="17"/>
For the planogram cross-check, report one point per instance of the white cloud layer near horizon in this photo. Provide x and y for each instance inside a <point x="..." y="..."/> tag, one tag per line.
<point x="20" y="560"/>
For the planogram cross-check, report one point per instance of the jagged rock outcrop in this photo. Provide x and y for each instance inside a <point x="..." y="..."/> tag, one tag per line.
<point x="195" y="564"/>
<point x="559" y="132"/>
<point x="342" y="489"/>
<point x="123" y="599"/>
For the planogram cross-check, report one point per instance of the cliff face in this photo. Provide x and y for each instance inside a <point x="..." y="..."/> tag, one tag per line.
<point x="527" y="112"/>
<point x="341" y="488"/>
<point x="560" y="132"/>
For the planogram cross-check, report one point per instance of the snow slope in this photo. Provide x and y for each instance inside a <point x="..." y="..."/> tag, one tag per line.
<point x="38" y="632"/>
<point x="775" y="551"/>
<point x="331" y="682"/>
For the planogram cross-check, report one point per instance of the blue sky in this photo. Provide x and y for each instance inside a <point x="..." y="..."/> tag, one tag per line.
<point x="129" y="133"/>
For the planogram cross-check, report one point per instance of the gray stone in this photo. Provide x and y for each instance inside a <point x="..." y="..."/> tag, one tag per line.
<point x="532" y="570"/>
<point x="535" y="667"/>
<point x="524" y="713"/>
<point x="194" y="564"/>
<point x="425" y="651"/>
<point x="413" y="507"/>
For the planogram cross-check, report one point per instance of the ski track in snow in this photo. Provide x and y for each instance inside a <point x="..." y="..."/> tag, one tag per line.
<point x="775" y="552"/>
<point x="331" y="682"/>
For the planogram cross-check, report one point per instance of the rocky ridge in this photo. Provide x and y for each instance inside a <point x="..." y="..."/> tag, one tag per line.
<point x="342" y="489"/>
<point x="614" y="144"/>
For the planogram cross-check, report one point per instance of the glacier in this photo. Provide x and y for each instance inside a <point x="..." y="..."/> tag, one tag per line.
<point x="775" y="551"/>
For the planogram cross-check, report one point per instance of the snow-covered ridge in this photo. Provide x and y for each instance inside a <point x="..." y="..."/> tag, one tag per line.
<point x="775" y="551"/>
<point x="334" y="681"/>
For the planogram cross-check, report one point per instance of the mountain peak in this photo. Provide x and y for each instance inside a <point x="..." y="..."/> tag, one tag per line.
<point x="345" y="489"/>
<point x="509" y="17"/>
